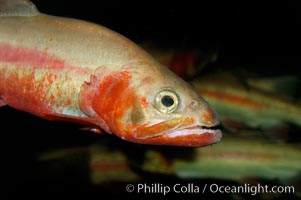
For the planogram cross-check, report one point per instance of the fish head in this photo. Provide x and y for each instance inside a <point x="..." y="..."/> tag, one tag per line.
<point x="169" y="112"/>
<point x="153" y="108"/>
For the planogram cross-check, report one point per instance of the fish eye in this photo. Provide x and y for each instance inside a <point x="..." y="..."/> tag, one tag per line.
<point x="166" y="101"/>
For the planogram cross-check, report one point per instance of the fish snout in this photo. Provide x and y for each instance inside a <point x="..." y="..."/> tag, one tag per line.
<point x="206" y="115"/>
<point x="209" y="118"/>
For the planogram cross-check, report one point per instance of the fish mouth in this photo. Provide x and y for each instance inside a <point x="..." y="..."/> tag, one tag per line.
<point x="195" y="136"/>
<point x="181" y="135"/>
<point x="194" y="130"/>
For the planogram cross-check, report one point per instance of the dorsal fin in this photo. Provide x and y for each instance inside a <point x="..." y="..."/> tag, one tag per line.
<point x="17" y="8"/>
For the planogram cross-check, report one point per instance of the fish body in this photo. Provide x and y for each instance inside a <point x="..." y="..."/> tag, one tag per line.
<point x="68" y="69"/>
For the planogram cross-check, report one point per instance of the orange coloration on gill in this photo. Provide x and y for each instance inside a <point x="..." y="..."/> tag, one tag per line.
<point x="242" y="101"/>
<point x="148" y="131"/>
<point x="113" y="98"/>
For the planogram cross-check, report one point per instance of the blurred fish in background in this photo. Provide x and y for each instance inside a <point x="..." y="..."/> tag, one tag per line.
<point x="240" y="160"/>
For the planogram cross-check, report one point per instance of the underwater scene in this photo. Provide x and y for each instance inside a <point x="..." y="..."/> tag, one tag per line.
<point x="242" y="59"/>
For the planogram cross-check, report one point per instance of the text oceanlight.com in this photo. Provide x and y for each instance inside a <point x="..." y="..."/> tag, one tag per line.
<point x="191" y="188"/>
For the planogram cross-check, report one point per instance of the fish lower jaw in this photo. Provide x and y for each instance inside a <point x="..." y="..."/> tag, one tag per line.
<point x="196" y="130"/>
<point x="194" y="136"/>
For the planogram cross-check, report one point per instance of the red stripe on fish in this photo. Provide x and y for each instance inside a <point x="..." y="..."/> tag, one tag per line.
<point x="23" y="56"/>
<point x="231" y="98"/>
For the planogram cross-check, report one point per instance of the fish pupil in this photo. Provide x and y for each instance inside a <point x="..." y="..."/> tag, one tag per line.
<point x="167" y="101"/>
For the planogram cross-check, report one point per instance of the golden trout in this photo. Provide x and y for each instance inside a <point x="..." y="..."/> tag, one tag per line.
<point x="68" y="69"/>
